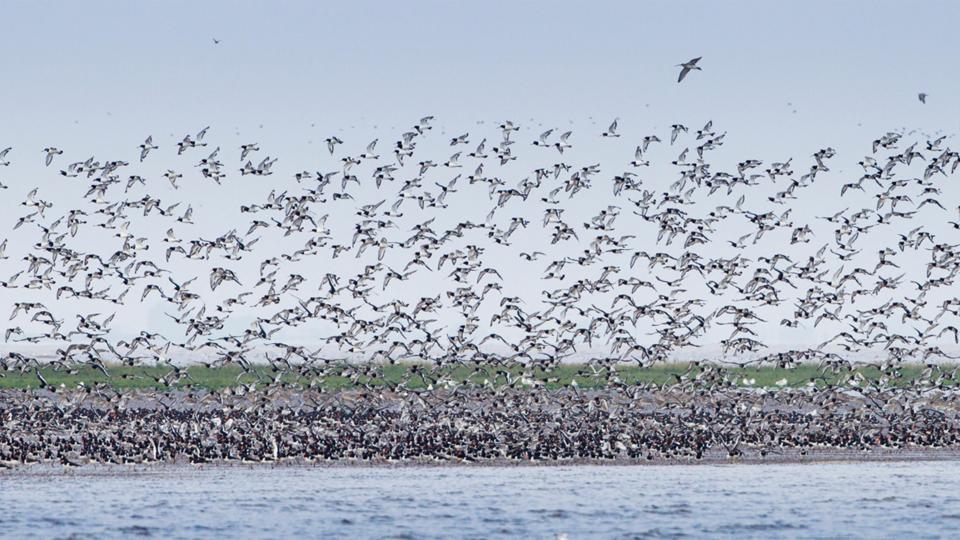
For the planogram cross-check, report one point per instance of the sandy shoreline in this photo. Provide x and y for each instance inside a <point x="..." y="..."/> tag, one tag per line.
<point x="811" y="457"/>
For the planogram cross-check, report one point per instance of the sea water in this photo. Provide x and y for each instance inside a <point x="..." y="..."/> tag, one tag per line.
<point x="834" y="500"/>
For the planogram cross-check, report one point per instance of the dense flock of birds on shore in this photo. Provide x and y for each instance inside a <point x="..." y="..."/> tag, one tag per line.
<point x="474" y="425"/>
<point x="463" y="259"/>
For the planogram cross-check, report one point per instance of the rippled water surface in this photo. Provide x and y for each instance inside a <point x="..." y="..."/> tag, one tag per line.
<point x="855" y="500"/>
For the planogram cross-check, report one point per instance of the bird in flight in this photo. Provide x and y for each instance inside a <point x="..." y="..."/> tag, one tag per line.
<point x="922" y="97"/>
<point x="216" y="41"/>
<point x="687" y="67"/>
<point x="50" y="153"/>
<point x="612" y="130"/>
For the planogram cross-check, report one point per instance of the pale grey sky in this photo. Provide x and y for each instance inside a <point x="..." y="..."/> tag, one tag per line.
<point x="783" y="79"/>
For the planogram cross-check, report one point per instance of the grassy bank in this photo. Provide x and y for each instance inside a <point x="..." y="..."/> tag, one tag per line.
<point x="200" y="376"/>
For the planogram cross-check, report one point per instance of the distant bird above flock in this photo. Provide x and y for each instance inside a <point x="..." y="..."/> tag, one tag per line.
<point x="688" y="67"/>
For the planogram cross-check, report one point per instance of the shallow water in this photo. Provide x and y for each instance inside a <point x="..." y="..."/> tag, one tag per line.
<point x="846" y="500"/>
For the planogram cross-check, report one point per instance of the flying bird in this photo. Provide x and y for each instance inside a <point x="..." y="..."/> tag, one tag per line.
<point x="51" y="152"/>
<point x="687" y="67"/>
<point x="146" y="147"/>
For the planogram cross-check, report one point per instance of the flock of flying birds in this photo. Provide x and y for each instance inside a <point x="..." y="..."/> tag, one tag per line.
<point x="379" y="260"/>
<point x="649" y="271"/>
